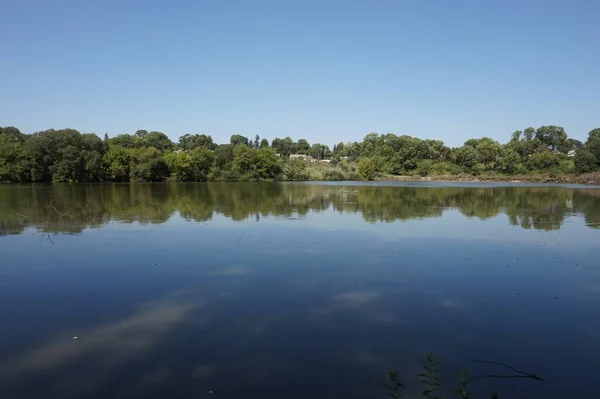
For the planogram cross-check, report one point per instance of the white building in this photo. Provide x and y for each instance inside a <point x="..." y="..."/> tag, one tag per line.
<point x="301" y="156"/>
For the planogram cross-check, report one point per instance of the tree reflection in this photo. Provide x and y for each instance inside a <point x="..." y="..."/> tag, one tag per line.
<point x="64" y="208"/>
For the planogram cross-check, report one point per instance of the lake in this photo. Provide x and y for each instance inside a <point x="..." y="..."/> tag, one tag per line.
<point x="296" y="290"/>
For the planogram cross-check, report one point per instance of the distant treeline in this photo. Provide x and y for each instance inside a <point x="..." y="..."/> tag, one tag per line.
<point x="68" y="155"/>
<point x="70" y="208"/>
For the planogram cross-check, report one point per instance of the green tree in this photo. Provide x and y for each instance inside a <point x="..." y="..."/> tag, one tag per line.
<point x="295" y="170"/>
<point x="202" y="160"/>
<point x="406" y="159"/>
<point x="14" y="166"/>
<point x="190" y="141"/>
<point x="284" y="147"/>
<point x="179" y="165"/>
<point x="553" y="137"/>
<point x="436" y="150"/>
<point x="268" y="164"/>
<point x="68" y="165"/>
<point x="244" y="159"/>
<point x="516" y="143"/>
<point x="372" y="144"/>
<point x="302" y="147"/>
<point x="593" y="144"/>
<point x="92" y="154"/>
<point x="367" y="168"/>
<point x="509" y="161"/>
<point x="238" y="139"/>
<point x="585" y="161"/>
<point x="126" y="141"/>
<point x="319" y="151"/>
<point x="159" y="141"/>
<point x="516" y="136"/>
<point x="472" y="143"/>
<point x="224" y="156"/>
<point x="425" y="167"/>
<point x="528" y="134"/>
<point x="488" y="151"/>
<point x="543" y="161"/>
<point x="117" y="162"/>
<point x="338" y="149"/>
<point x="467" y="156"/>
<point x="67" y="155"/>
<point x="350" y="150"/>
<point x="192" y="166"/>
<point x="60" y="155"/>
<point x="574" y="144"/>
<point x="148" y="165"/>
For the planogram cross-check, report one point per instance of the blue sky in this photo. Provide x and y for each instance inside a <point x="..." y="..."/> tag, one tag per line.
<point x="326" y="70"/>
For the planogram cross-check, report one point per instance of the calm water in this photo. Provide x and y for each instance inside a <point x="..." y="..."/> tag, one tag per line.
<point x="295" y="290"/>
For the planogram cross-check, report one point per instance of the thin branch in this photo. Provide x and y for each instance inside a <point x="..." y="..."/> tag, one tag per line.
<point x="520" y="374"/>
<point x="506" y="376"/>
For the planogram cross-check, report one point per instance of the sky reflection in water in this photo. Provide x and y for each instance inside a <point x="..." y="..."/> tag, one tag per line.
<point x="294" y="290"/>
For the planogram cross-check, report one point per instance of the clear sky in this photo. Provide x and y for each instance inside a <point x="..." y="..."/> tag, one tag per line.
<point x="324" y="70"/>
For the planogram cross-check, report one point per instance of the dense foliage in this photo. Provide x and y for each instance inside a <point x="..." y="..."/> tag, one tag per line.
<point x="67" y="155"/>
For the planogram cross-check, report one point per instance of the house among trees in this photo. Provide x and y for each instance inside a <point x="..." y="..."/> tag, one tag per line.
<point x="69" y="156"/>
<point x="302" y="157"/>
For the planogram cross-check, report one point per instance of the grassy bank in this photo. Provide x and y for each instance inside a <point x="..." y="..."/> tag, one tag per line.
<point x="347" y="171"/>
<point x="588" y="178"/>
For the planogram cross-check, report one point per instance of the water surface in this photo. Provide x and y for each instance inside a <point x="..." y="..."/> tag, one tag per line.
<point x="295" y="290"/>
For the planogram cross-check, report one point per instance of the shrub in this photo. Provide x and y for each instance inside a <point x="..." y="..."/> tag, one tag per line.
<point x="218" y="174"/>
<point x="477" y="169"/>
<point x="543" y="161"/>
<point x="509" y="162"/>
<point x="334" y="174"/>
<point x="567" y="166"/>
<point x="585" y="161"/>
<point x="367" y="168"/>
<point x="295" y="170"/>
<point x="554" y="172"/>
<point x="445" y="168"/>
<point x="424" y="167"/>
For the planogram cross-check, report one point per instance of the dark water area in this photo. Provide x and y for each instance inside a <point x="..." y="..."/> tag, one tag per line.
<point x="253" y="290"/>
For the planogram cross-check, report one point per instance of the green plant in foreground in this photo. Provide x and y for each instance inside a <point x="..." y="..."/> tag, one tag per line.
<point x="462" y="390"/>
<point x="434" y="383"/>
<point x="430" y="376"/>
<point x="394" y="386"/>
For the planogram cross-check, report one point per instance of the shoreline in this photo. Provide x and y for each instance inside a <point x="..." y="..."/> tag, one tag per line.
<point x="590" y="179"/>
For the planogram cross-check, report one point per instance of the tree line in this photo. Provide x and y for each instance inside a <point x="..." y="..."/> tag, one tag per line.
<point x="70" y="208"/>
<point x="70" y="156"/>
